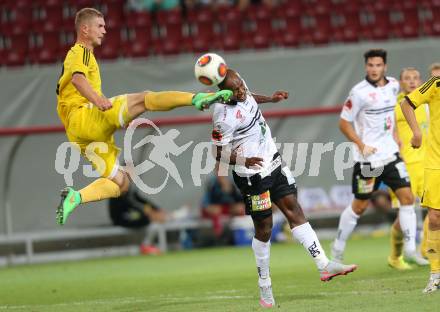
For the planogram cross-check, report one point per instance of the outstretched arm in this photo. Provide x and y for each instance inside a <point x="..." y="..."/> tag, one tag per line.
<point x="276" y="97"/>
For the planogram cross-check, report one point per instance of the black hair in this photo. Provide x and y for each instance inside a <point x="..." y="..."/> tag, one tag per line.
<point x="376" y="53"/>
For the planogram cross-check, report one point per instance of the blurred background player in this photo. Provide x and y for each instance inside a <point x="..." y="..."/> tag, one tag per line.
<point x="434" y="70"/>
<point x="135" y="211"/>
<point x="370" y="107"/>
<point x="243" y="139"/>
<point x="428" y="93"/>
<point x="413" y="158"/>
<point x="90" y="119"/>
<point x="221" y="202"/>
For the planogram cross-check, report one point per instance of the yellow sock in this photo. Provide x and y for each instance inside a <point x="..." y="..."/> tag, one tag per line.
<point x="433" y="250"/>
<point x="167" y="100"/>
<point x="425" y="237"/>
<point x="99" y="189"/>
<point x="396" y="242"/>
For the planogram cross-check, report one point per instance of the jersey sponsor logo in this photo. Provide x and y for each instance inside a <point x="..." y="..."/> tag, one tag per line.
<point x="239" y="116"/>
<point x="313" y="249"/>
<point x="260" y="202"/>
<point x="216" y="135"/>
<point x="373" y="96"/>
<point x="388" y="123"/>
<point x="263" y="131"/>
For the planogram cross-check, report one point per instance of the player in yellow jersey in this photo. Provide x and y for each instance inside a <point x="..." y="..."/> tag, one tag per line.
<point x="91" y="119"/>
<point x="413" y="158"/>
<point x="429" y="93"/>
<point x="434" y="70"/>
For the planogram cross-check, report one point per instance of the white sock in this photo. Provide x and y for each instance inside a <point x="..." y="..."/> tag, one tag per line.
<point x="408" y="224"/>
<point x="262" y="257"/>
<point x="347" y="223"/>
<point x="307" y="237"/>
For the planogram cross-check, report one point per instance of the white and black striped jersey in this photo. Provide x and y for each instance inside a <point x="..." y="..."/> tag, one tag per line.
<point x="371" y="109"/>
<point x="244" y="128"/>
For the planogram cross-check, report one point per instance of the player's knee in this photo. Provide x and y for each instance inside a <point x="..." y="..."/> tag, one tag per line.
<point x="434" y="219"/>
<point x="141" y="97"/>
<point x="125" y="184"/>
<point x="407" y="199"/>
<point x="263" y="234"/>
<point x="136" y="103"/>
<point x="405" y="196"/>
<point x="263" y="227"/>
<point x="122" y="180"/>
<point x="359" y="206"/>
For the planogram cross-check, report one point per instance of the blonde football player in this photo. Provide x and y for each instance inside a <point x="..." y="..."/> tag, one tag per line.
<point x="413" y="158"/>
<point x="434" y="70"/>
<point x="91" y="119"/>
<point x="428" y="93"/>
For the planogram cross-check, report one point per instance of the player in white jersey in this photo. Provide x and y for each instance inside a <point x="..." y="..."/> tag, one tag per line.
<point x="243" y="139"/>
<point x="370" y="108"/>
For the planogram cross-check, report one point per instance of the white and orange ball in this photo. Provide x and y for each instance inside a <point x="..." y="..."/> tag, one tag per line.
<point x="210" y="69"/>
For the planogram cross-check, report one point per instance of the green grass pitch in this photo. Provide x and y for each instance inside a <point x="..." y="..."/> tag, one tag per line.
<point x="216" y="280"/>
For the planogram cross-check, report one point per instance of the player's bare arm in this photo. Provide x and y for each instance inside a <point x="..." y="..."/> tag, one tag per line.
<point x="275" y="98"/>
<point x="85" y="89"/>
<point x="410" y="116"/>
<point x="233" y="158"/>
<point x="347" y="129"/>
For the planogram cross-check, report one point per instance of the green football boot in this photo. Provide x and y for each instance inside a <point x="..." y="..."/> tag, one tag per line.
<point x="70" y="199"/>
<point x="202" y="101"/>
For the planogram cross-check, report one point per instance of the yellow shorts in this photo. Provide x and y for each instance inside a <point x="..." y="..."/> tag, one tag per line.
<point x="431" y="189"/>
<point x="92" y="131"/>
<point x="416" y="177"/>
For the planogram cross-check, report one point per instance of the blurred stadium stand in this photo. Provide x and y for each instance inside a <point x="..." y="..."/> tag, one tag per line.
<point x="28" y="99"/>
<point x="40" y="32"/>
<point x="334" y="32"/>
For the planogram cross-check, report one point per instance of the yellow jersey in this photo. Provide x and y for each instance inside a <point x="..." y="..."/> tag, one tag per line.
<point x="79" y="59"/>
<point x="409" y="154"/>
<point x="429" y="93"/>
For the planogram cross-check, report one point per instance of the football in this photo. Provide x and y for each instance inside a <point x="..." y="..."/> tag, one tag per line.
<point x="210" y="69"/>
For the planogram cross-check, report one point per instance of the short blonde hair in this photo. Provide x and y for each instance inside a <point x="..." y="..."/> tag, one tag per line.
<point x="86" y="14"/>
<point x="434" y="66"/>
<point x="408" y="69"/>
